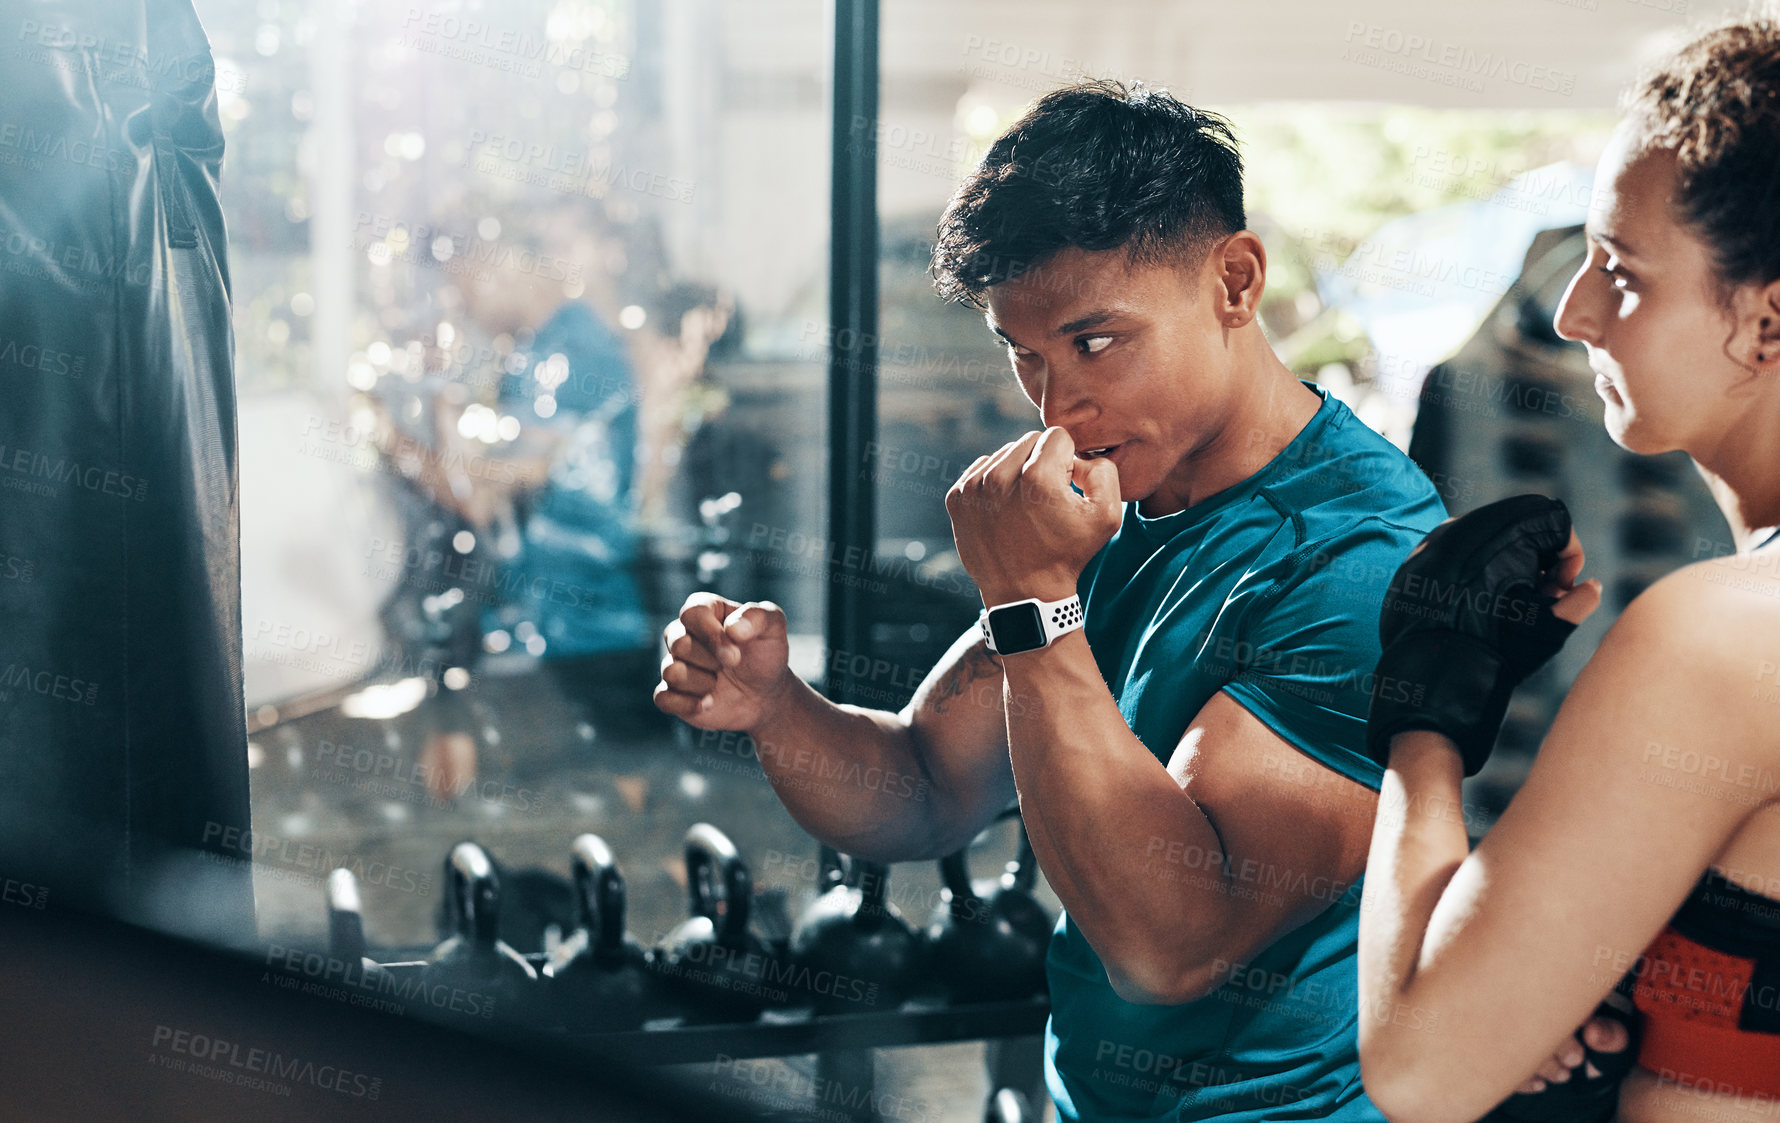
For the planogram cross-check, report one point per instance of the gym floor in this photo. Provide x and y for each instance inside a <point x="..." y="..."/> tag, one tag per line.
<point x="331" y="789"/>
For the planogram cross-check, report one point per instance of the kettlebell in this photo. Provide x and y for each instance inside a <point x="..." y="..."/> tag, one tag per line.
<point x="711" y="959"/>
<point x="1009" y="1105"/>
<point x="346" y="932"/>
<point x="990" y="948"/>
<point x="852" y="951"/>
<point x="485" y="976"/>
<point x="599" y="978"/>
<point x="538" y="907"/>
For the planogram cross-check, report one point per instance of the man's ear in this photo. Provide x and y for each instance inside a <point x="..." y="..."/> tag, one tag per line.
<point x="1241" y="262"/>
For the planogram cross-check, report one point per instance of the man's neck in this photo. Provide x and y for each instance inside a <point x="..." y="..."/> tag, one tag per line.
<point x="1262" y="423"/>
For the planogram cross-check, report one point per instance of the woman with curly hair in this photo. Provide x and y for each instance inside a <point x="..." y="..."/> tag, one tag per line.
<point x="1647" y="837"/>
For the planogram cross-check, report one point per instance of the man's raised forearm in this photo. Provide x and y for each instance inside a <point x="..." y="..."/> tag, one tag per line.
<point x="854" y="778"/>
<point x="1101" y="811"/>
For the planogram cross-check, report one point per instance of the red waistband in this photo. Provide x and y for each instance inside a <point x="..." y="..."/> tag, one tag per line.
<point x="1724" y="1060"/>
<point x="1692" y="998"/>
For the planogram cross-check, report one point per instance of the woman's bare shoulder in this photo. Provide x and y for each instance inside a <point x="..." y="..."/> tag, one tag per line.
<point x="1741" y="591"/>
<point x="1707" y="636"/>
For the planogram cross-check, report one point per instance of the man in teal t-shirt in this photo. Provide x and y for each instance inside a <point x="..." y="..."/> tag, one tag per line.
<point x="1191" y="766"/>
<point x="1185" y="740"/>
<point x="1269" y="592"/>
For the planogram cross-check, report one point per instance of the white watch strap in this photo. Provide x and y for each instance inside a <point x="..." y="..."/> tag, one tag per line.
<point x="1059" y="618"/>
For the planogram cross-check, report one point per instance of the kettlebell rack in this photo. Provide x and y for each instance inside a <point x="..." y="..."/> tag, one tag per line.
<point x="702" y="996"/>
<point x="926" y="1019"/>
<point x="844" y="1044"/>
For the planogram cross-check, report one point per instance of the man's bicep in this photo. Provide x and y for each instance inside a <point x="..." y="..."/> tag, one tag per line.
<point x="1295" y="833"/>
<point x="958" y="722"/>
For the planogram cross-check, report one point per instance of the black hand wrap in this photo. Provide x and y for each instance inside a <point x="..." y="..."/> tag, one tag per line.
<point x="1582" y="1098"/>
<point x="1464" y="623"/>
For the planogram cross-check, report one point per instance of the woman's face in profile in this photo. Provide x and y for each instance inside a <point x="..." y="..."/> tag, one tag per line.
<point x="1647" y="305"/>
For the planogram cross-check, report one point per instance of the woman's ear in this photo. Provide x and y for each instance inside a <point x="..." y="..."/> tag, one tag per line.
<point x="1757" y="341"/>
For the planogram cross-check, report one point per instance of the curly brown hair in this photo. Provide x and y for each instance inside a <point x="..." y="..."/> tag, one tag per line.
<point x="1716" y="105"/>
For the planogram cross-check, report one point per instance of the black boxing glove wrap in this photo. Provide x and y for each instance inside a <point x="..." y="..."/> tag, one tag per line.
<point x="1463" y="624"/>
<point x="1582" y="1098"/>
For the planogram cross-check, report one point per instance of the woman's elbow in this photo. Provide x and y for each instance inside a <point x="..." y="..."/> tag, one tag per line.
<point x="1402" y="1083"/>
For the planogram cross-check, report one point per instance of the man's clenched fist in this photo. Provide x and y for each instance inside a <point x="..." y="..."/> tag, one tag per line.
<point x="1021" y="530"/>
<point x="726" y="662"/>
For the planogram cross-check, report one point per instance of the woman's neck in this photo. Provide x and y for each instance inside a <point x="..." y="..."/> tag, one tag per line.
<point x="1749" y="504"/>
<point x="1742" y="468"/>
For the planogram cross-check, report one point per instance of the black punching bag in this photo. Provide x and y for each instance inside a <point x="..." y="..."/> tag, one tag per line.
<point x="123" y="770"/>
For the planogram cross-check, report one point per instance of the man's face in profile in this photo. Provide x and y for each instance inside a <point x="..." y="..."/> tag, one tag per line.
<point x="1128" y="357"/>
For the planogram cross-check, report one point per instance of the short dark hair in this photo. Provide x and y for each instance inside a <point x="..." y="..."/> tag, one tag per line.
<point x="1095" y="165"/>
<point x="1716" y="105"/>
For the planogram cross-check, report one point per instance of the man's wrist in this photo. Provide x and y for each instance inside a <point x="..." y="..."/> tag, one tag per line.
<point x="777" y="702"/>
<point x="994" y="597"/>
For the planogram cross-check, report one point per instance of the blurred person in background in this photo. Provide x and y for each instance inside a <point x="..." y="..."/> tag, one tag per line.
<point x="560" y="495"/>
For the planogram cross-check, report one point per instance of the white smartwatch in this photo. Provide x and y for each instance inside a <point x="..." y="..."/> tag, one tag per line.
<point x="1027" y="625"/>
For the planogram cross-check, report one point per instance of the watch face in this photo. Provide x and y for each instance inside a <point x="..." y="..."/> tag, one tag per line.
<point x="1017" y="627"/>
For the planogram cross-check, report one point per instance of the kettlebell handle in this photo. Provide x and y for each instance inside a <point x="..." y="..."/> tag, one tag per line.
<point x="955" y="874"/>
<point x="475" y="891"/>
<point x="346" y="922"/>
<point x="599" y="892"/>
<point x="872" y="879"/>
<point x="719" y="882"/>
<point x="1021" y="873"/>
<point x="834" y="868"/>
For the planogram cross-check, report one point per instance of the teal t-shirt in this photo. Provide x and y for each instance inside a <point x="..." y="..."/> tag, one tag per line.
<point x="1269" y="591"/>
